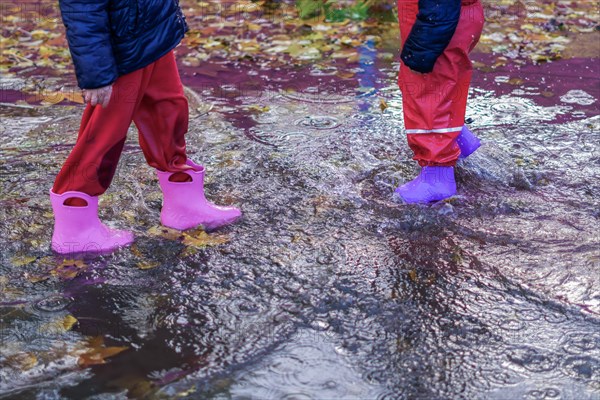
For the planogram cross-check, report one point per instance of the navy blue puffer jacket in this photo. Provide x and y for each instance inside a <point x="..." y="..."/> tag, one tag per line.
<point x="110" y="38"/>
<point x="436" y="23"/>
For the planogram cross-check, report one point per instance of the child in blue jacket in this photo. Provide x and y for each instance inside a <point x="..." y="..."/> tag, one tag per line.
<point x="435" y="75"/>
<point x="124" y="62"/>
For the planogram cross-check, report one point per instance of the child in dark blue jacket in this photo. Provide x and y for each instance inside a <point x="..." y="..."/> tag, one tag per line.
<point x="124" y="62"/>
<point x="435" y="75"/>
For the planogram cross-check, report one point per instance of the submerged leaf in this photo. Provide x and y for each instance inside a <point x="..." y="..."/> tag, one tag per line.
<point x="23" y="260"/>
<point x="147" y="264"/>
<point x="164" y="232"/>
<point x="413" y="275"/>
<point x="68" y="269"/>
<point x="97" y="352"/>
<point x="21" y="361"/>
<point x="61" y="325"/>
<point x="199" y="239"/>
<point x="383" y="105"/>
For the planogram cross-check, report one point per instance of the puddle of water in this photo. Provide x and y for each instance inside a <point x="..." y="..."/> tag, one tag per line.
<point x="327" y="286"/>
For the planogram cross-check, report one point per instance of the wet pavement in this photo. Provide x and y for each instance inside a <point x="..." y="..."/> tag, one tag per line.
<point x="328" y="288"/>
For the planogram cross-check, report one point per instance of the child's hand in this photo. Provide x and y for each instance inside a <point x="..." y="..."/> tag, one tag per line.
<point x="98" y="96"/>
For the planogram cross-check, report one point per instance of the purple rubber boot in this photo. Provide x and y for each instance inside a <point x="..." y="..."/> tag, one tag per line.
<point x="78" y="229"/>
<point x="185" y="206"/>
<point x="468" y="142"/>
<point x="432" y="184"/>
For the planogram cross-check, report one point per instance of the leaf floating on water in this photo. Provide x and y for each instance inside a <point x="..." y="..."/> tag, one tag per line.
<point x="257" y="109"/>
<point x="59" y="326"/>
<point x="194" y="238"/>
<point x="69" y="321"/>
<point x="412" y="274"/>
<point x="21" y="361"/>
<point x="23" y="260"/>
<point x="383" y="105"/>
<point x="516" y="81"/>
<point x="147" y="265"/>
<point x="68" y="269"/>
<point x="164" y="232"/>
<point x="199" y="239"/>
<point x="97" y="352"/>
<point x="187" y="393"/>
<point x="346" y="75"/>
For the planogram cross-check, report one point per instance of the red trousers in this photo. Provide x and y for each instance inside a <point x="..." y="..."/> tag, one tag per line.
<point x="151" y="97"/>
<point x="435" y="103"/>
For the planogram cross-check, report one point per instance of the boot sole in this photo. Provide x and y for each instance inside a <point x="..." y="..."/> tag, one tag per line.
<point x="94" y="251"/>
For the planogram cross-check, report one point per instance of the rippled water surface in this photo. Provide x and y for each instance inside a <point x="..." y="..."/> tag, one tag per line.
<point x="328" y="288"/>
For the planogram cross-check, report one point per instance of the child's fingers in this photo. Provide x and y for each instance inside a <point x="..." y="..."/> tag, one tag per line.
<point x="105" y="100"/>
<point x="94" y="99"/>
<point x="107" y="95"/>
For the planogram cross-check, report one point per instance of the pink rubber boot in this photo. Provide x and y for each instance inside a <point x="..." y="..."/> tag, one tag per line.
<point x="185" y="206"/>
<point x="468" y="142"/>
<point x="432" y="184"/>
<point x="78" y="229"/>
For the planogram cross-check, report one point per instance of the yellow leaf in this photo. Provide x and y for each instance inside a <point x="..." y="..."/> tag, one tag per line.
<point x="52" y="98"/>
<point x="187" y="393"/>
<point x="258" y="109"/>
<point x="97" y="352"/>
<point x="74" y="96"/>
<point x="382" y="105"/>
<point x="59" y="326"/>
<point x="68" y="322"/>
<point x="147" y="265"/>
<point x="23" y="260"/>
<point x="21" y="361"/>
<point x="413" y="275"/>
<point x="199" y="238"/>
<point x="68" y="269"/>
<point x="516" y="81"/>
<point x="346" y="74"/>
<point x="167" y="233"/>
<point x="254" y="27"/>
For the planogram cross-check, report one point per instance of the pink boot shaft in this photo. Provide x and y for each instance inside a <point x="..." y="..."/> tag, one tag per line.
<point x="78" y="229"/>
<point x="185" y="205"/>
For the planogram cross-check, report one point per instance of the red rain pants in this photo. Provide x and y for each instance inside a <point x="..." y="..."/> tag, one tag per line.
<point x="435" y="103"/>
<point x="153" y="98"/>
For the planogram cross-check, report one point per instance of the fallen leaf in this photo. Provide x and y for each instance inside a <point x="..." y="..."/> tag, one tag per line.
<point x="199" y="239"/>
<point x="382" y="105"/>
<point x="413" y="275"/>
<point x="23" y="260"/>
<point x="61" y="325"/>
<point x="21" y="361"/>
<point x="97" y="352"/>
<point x="516" y="81"/>
<point x="164" y="232"/>
<point x="147" y="264"/>
<point x="68" y="269"/>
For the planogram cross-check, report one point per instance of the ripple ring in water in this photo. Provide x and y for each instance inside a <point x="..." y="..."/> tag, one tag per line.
<point x="52" y="304"/>
<point x="318" y="122"/>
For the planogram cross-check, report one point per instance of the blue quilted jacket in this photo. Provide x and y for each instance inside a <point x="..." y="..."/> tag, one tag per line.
<point x="110" y="38"/>
<point x="436" y="23"/>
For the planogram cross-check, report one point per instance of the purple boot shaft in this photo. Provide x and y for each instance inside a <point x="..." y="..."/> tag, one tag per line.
<point x="467" y="142"/>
